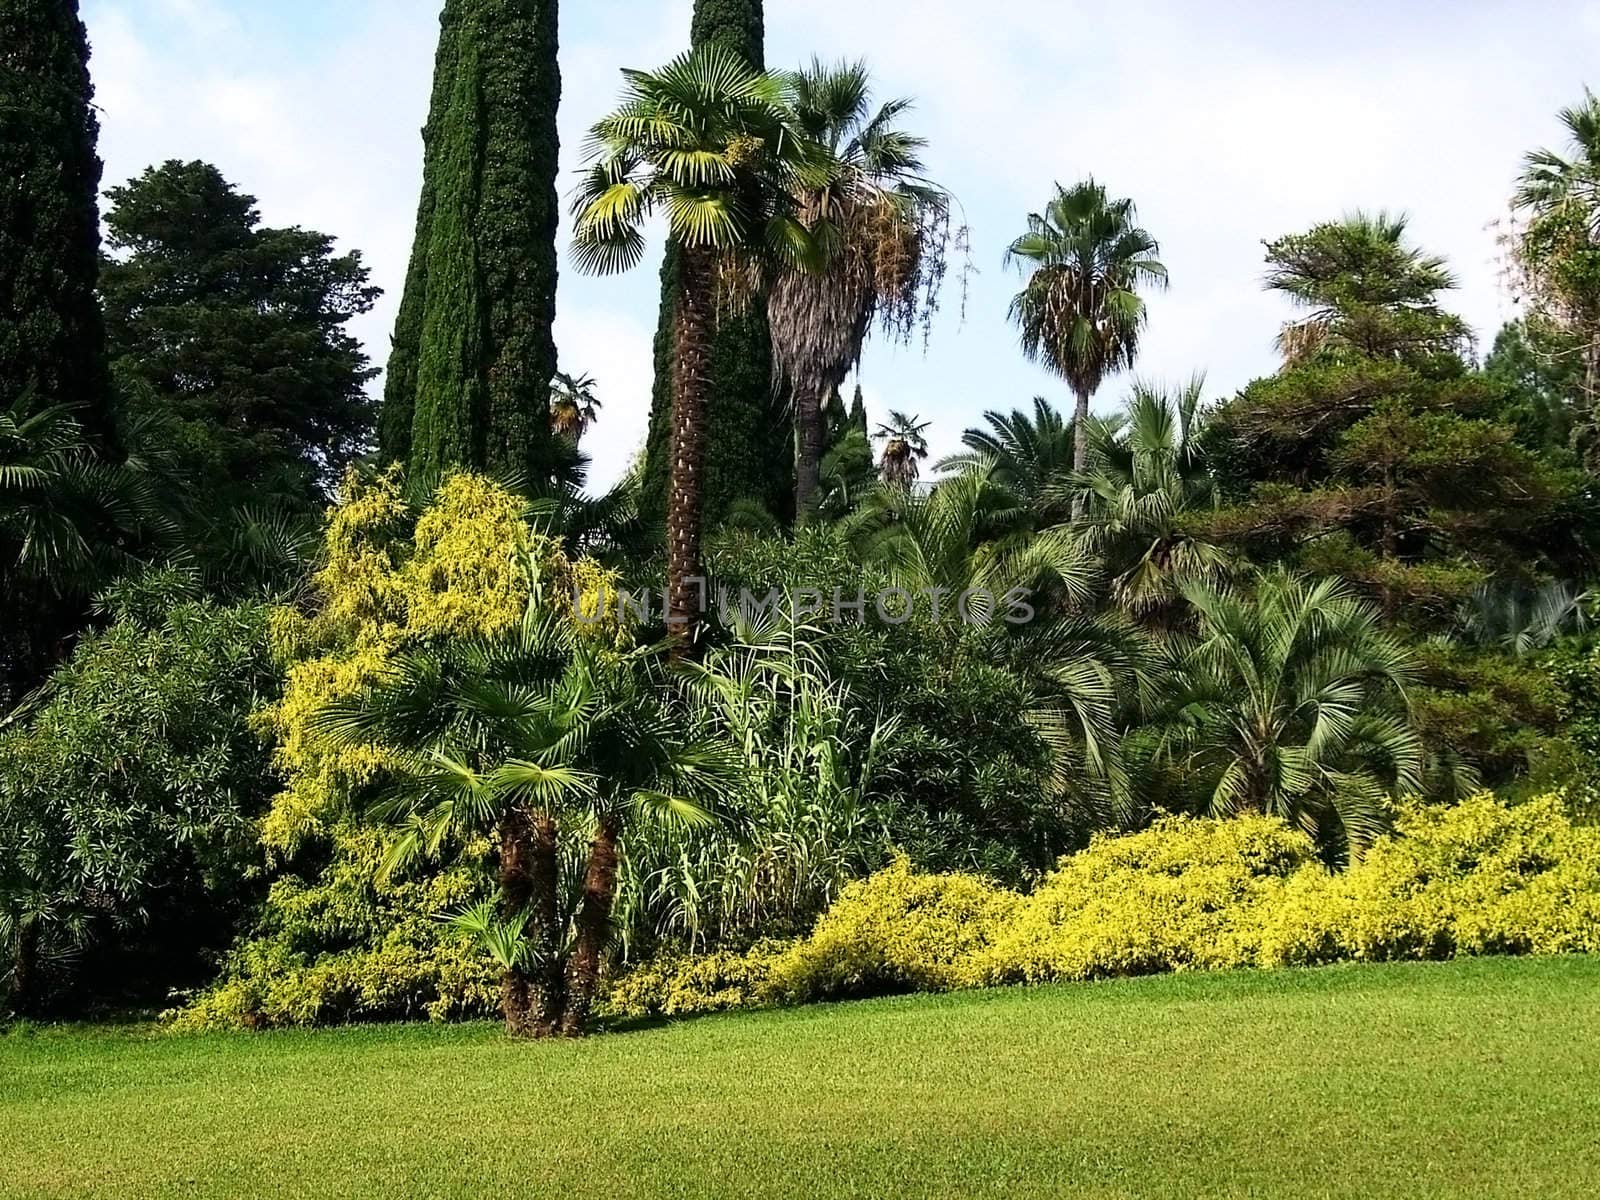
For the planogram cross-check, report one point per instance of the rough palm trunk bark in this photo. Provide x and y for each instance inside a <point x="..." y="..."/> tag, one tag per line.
<point x="516" y="890"/>
<point x="1080" y="430"/>
<point x="593" y="927"/>
<point x="547" y="993"/>
<point x="808" y="455"/>
<point x="1080" y="446"/>
<point x="23" y="963"/>
<point x="696" y="323"/>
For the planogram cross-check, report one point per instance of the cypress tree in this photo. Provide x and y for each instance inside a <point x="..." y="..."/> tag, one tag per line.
<point x="473" y="355"/>
<point x="52" y="337"/>
<point x="749" y="444"/>
<point x="858" y="411"/>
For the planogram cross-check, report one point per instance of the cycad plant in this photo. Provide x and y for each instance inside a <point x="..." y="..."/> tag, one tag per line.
<point x="1147" y="479"/>
<point x="885" y="230"/>
<point x="716" y="147"/>
<point x="534" y="739"/>
<point x="1032" y="454"/>
<point x="1084" y="260"/>
<point x="1290" y="699"/>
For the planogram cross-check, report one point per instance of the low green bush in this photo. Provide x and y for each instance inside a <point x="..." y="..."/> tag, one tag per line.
<point x="1185" y="894"/>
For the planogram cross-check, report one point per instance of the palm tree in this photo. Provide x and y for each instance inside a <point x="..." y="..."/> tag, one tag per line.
<point x="573" y="405"/>
<point x="1084" y="259"/>
<point x="1561" y="193"/>
<point x="1289" y="701"/>
<point x="886" y="230"/>
<point x="1147" y="478"/>
<point x="521" y="738"/>
<point x="966" y="546"/>
<point x="69" y="521"/>
<point x="717" y="148"/>
<point x="905" y="446"/>
<point x="1031" y="454"/>
<point x="1522" y="619"/>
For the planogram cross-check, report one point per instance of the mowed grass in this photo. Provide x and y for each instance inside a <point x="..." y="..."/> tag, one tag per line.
<point x="1467" y="1079"/>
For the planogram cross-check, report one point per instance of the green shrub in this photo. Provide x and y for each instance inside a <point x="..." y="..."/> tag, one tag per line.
<point x="128" y="793"/>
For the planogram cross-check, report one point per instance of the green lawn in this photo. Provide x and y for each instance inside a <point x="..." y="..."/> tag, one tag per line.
<point x="1468" y="1079"/>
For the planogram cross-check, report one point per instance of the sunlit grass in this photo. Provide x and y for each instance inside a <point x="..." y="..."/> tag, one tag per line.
<point x="1469" y="1079"/>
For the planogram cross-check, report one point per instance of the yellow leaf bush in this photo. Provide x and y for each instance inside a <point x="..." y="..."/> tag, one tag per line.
<point x="347" y="947"/>
<point x="1189" y="894"/>
<point x="897" y="931"/>
<point x="389" y="583"/>
<point x="340" y="944"/>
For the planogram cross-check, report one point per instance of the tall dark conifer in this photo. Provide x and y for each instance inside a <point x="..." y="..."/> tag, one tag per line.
<point x="749" y="443"/>
<point x="469" y="374"/>
<point x="52" y="339"/>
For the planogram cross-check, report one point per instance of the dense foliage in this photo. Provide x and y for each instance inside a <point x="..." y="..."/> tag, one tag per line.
<point x="1184" y="895"/>
<point x="232" y="339"/>
<point x="128" y="795"/>
<point x="52" y="339"/>
<point x="473" y="355"/>
<point x="1306" y="673"/>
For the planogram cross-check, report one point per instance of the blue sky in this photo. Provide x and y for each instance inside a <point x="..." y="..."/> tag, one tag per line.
<point x="1228" y="122"/>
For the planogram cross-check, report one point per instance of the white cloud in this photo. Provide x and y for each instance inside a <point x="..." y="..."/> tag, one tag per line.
<point x="1228" y="122"/>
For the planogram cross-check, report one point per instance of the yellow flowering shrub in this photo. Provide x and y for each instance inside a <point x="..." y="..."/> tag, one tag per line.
<point x="898" y="931"/>
<point x="1182" y="895"/>
<point x="680" y="985"/>
<point x="1475" y="878"/>
<point x="461" y="568"/>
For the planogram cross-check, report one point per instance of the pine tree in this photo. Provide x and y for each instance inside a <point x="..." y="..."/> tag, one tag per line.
<point x="473" y="356"/>
<point x="750" y="446"/>
<point x="235" y="336"/>
<point x="1376" y="453"/>
<point x="52" y="339"/>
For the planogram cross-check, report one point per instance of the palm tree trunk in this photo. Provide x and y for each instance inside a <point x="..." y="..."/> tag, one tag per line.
<point x="808" y="452"/>
<point x="24" y="960"/>
<point x="594" y="926"/>
<point x="516" y="890"/>
<point x="696" y="323"/>
<point x="1080" y="430"/>
<point x="1080" y="447"/>
<point x="548" y="991"/>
